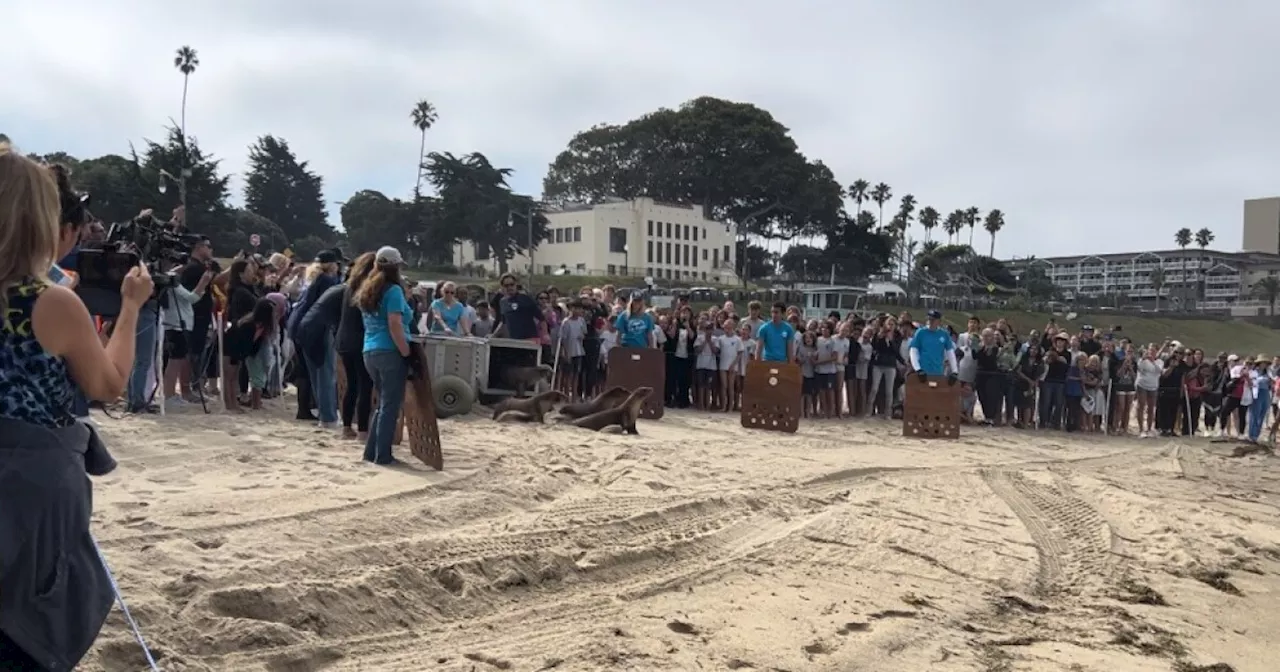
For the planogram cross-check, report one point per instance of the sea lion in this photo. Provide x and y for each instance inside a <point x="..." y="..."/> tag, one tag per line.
<point x="533" y="409"/>
<point x="602" y="402"/>
<point x="525" y="378"/>
<point x="624" y="415"/>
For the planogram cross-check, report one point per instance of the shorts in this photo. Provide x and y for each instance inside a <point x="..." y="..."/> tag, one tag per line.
<point x="708" y="376"/>
<point x="576" y="364"/>
<point x="175" y="343"/>
<point x="824" y="381"/>
<point x="809" y="386"/>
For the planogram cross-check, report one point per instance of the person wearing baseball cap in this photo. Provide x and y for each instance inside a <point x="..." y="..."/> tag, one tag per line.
<point x="387" y="318"/>
<point x="932" y="351"/>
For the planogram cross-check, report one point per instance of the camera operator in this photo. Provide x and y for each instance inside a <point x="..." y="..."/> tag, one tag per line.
<point x="200" y="323"/>
<point x="54" y="591"/>
<point x="183" y="336"/>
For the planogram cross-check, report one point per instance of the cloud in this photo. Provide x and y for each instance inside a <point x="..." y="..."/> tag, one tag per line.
<point x="1095" y="125"/>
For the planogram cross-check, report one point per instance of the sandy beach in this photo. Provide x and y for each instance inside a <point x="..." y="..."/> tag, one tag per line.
<point x="260" y="543"/>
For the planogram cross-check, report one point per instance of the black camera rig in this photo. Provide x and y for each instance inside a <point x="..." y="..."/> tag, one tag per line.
<point x="143" y="240"/>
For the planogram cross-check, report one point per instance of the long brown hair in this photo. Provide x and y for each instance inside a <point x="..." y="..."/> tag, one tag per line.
<point x="29" y="214"/>
<point x="368" y="296"/>
<point x="359" y="271"/>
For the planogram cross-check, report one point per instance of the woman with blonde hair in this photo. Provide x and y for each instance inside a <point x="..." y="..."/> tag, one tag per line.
<point x="387" y="316"/>
<point x="49" y="348"/>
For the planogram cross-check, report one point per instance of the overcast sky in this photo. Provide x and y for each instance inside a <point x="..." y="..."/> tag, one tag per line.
<point x="1095" y="125"/>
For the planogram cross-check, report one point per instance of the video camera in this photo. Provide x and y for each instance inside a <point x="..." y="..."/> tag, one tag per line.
<point x="143" y="240"/>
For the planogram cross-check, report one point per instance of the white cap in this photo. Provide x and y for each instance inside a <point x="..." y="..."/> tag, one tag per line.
<point x="389" y="255"/>
<point x="1232" y="358"/>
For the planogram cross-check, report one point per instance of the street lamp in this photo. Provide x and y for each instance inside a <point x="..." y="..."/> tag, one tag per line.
<point x="181" y="181"/>
<point x="626" y="259"/>
<point x="528" y="219"/>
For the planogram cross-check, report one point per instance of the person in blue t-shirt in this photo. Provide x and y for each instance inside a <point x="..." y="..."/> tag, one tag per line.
<point x="387" y="316"/>
<point x="777" y="337"/>
<point x="635" y="326"/>
<point x="931" y="348"/>
<point x="447" y="314"/>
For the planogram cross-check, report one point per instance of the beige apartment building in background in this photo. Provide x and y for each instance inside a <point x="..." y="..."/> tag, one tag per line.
<point x="1262" y="225"/>
<point x="638" y="238"/>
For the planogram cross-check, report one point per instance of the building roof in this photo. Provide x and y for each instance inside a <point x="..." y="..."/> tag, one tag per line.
<point x="1124" y="257"/>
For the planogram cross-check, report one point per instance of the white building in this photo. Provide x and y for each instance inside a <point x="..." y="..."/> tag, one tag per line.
<point x="637" y="238"/>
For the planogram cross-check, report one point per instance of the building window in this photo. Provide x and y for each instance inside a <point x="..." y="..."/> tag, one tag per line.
<point x="546" y="270"/>
<point x="613" y="270"/>
<point x="659" y="259"/>
<point x="648" y="251"/>
<point x="704" y="254"/>
<point x="651" y="227"/>
<point x="668" y="229"/>
<point x="704" y="275"/>
<point x="670" y="259"/>
<point x="726" y="254"/>
<point x="482" y="251"/>
<point x="704" y="233"/>
<point x="686" y="254"/>
<point x="559" y="235"/>
<point x="715" y="258"/>
<point x="695" y="234"/>
<point x="695" y="255"/>
<point x="617" y="240"/>
<point x="581" y="268"/>
<point x="577" y="234"/>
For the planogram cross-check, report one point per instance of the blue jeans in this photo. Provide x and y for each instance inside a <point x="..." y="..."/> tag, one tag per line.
<point x="323" y="373"/>
<point x="144" y="354"/>
<point x="1053" y="403"/>
<point x="389" y="371"/>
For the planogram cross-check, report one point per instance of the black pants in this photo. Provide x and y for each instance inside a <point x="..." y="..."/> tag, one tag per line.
<point x="990" y="388"/>
<point x="1167" y="400"/>
<point x="357" y="402"/>
<point x="1071" y="415"/>
<point x="1191" y="421"/>
<point x="1230" y="404"/>
<point x="670" y="386"/>
<point x="1212" y="407"/>
<point x="684" y="381"/>
<point x="14" y="659"/>
<point x="590" y="373"/>
<point x="302" y="381"/>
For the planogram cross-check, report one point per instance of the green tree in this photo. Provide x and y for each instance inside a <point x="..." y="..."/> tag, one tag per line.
<point x="881" y="195"/>
<point x="244" y="224"/>
<point x="804" y="262"/>
<point x="993" y="224"/>
<point x="307" y="247"/>
<point x="206" y="189"/>
<point x="285" y="191"/>
<point x="758" y="260"/>
<point x="371" y="220"/>
<point x="476" y="204"/>
<point x="1038" y="285"/>
<point x="424" y="116"/>
<point x="1268" y="289"/>
<point x="1157" y="281"/>
<point x="1204" y="238"/>
<point x="733" y="159"/>
<point x="1183" y="238"/>
<point x="929" y="219"/>
<point x="953" y="224"/>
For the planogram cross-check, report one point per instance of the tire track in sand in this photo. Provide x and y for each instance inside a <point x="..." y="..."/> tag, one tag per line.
<point x="1073" y="541"/>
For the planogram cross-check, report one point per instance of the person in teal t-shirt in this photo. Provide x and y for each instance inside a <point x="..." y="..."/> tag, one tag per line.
<point x="387" y="316"/>
<point x="777" y="337"/>
<point x="635" y="326"/>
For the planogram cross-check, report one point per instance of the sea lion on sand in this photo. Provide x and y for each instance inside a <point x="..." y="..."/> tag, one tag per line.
<point x="525" y="378"/>
<point x="533" y="409"/>
<point x="602" y="402"/>
<point x="624" y="415"/>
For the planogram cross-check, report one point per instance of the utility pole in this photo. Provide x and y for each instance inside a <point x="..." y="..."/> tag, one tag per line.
<point x="528" y="220"/>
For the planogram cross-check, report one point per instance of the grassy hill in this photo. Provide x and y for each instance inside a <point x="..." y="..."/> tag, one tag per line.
<point x="1212" y="335"/>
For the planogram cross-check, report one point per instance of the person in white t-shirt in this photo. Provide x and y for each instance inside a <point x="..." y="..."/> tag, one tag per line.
<point x="840" y="343"/>
<point x="730" y="353"/>
<point x="1147" y="385"/>
<point x="707" y="365"/>
<point x="750" y="351"/>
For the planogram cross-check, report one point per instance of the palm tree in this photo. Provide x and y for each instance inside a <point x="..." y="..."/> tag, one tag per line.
<point x="186" y="61"/>
<point x="1157" y="281"/>
<point x="953" y="224"/>
<point x="1268" y="289"/>
<point x="929" y="220"/>
<point x="858" y="192"/>
<point x="906" y="210"/>
<point x="1183" y="239"/>
<point x="1204" y="237"/>
<point x="995" y="222"/>
<point x="881" y="195"/>
<point x="424" y="117"/>
<point x="971" y="220"/>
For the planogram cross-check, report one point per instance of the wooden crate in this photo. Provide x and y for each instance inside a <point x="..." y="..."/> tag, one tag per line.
<point x="630" y="368"/>
<point x="771" y="396"/>
<point x="931" y="409"/>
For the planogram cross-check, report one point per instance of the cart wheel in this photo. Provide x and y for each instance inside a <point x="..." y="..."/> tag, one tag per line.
<point x="453" y="396"/>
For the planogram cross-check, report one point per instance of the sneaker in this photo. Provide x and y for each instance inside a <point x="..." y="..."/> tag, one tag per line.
<point x="175" y="401"/>
<point x="331" y="425"/>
